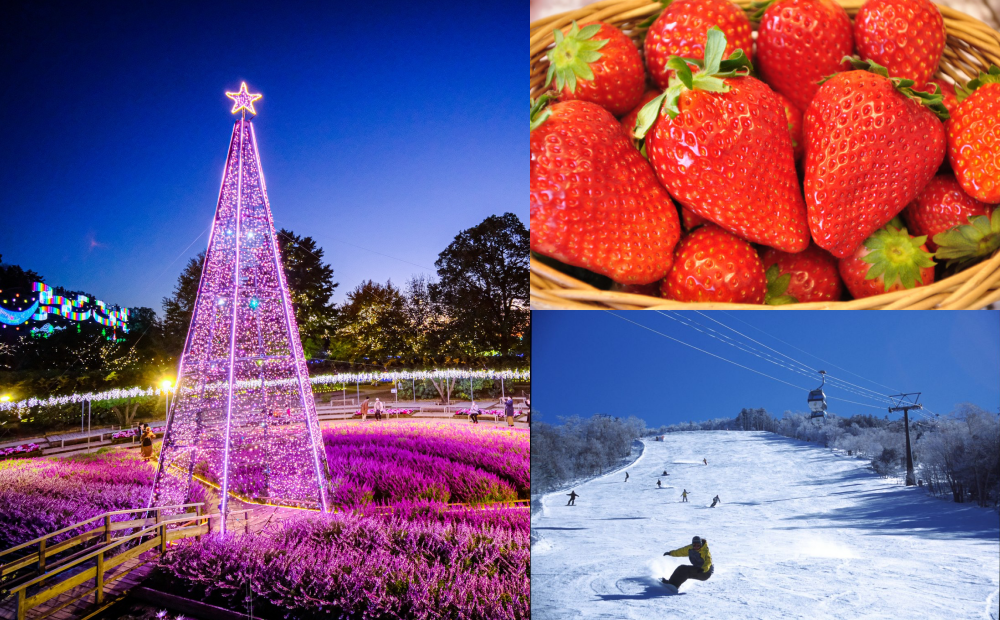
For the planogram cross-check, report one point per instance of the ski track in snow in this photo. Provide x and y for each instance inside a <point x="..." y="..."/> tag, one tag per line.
<point x="800" y="533"/>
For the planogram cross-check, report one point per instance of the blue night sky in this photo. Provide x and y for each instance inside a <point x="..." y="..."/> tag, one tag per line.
<point x="384" y="129"/>
<point x="592" y="362"/>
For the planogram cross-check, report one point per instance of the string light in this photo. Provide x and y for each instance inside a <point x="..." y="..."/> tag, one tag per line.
<point x="244" y="401"/>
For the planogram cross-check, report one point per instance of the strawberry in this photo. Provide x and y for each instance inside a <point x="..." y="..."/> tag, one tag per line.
<point x="680" y="31"/>
<point x="970" y="242"/>
<point x="690" y="219"/>
<point x="711" y="264"/>
<point x="718" y="131"/>
<point x="612" y="77"/>
<point x="794" y="117"/>
<point x="974" y="137"/>
<point x="941" y="206"/>
<point x="812" y="275"/>
<point x="889" y="260"/>
<point x="800" y="42"/>
<point x="872" y="143"/>
<point x="595" y="202"/>
<point x="628" y="121"/>
<point x="904" y="36"/>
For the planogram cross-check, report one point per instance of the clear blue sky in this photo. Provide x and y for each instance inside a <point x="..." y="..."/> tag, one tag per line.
<point x="592" y="362"/>
<point x="388" y="125"/>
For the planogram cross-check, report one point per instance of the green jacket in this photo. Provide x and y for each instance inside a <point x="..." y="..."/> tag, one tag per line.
<point x="701" y="559"/>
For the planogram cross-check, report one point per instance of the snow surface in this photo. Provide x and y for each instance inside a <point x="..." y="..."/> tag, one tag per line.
<point x="801" y="532"/>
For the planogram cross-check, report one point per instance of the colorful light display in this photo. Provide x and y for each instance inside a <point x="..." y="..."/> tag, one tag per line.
<point x="80" y="309"/>
<point x="243" y="100"/>
<point x="243" y="398"/>
<point x="338" y="379"/>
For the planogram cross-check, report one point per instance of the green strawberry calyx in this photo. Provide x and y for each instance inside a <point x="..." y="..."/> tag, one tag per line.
<point x="710" y="76"/>
<point x="990" y="77"/>
<point x="777" y="287"/>
<point x="896" y="256"/>
<point x="540" y="109"/>
<point x="756" y="10"/>
<point x="969" y="243"/>
<point x="570" y="59"/>
<point x="932" y="101"/>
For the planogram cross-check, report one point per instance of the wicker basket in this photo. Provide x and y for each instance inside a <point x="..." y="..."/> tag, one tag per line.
<point x="971" y="47"/>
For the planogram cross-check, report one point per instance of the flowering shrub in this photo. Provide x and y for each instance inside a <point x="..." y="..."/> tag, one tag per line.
<point x="40" y="495"/>
<point x="18" y="451"/>
<point x="426" y="460"/>
<point x="406" y="412"/>
<point x="493" y="412"/>
<point x="134" y="432"/>
<point x="471" y="565"/>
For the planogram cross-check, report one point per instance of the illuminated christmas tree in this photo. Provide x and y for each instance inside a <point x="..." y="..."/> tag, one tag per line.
<point x="244" y="415"/>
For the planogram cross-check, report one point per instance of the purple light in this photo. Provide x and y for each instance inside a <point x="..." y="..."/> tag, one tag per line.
<point x="244" y="401"/>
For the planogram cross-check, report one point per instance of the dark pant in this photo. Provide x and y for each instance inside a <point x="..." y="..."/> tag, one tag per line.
<point x="474" y="417"/>
<point x="378" y="414"/>
<point x="683" y="573"/>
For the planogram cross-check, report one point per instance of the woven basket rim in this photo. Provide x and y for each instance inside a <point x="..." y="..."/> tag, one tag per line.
<point x="971" y="46"/>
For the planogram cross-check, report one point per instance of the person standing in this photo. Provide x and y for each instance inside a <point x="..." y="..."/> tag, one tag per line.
<point x="509" y="410"/>
<point x="379" y="408"/>
<point x="626" y="476"/>
<point x="684" y="496"/>
<point x="364" y="410"/>
<point x="715" y="500"/>
<point x="147" y="444"/>
<point x="658" y="485"/>
<point x="701" y="567"/>
<point x="572" y="498"/>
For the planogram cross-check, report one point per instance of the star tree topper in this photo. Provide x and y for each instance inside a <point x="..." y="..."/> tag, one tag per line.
<point x="243" y="100"/>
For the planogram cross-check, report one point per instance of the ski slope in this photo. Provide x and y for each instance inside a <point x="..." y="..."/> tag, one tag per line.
<point x="800" y="532"/>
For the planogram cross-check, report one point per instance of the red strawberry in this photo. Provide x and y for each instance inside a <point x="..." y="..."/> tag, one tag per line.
<point x="612" y="77"/>
<point x="947" y="91"/>
<point x="794" y="117"/>
<point x="628" y="121"/>
<point x="713" y="265"/>
<point x="974" y="137"/>
<point x="800" y="42"/>
<point x="904" y="36"/>
<point x="889" y="260"/>
<point x="871" y="145"/>
<point x="941" y="206"/>
<point x="595" y="202"/>
<point x="812" y="274"/>
<point x="680" y="31"/>
<point x="718" y="133"/>
<point x="690" y="219"/>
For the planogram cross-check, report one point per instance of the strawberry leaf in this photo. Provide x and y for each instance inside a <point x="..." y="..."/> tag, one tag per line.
<point x="756" y="10"/>
<point x="969" y="243"/>
<point x="777" y="286"/>
<point x="570" y="58"/>
<point x="647" y="116"/>
<point x="990" y="77"/>
<point x="932" y="101"/>
<point x="896" y="256"/>
<point x="540" y="110"/>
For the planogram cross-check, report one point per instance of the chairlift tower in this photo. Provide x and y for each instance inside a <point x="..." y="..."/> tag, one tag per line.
<point x="903" y="402"/>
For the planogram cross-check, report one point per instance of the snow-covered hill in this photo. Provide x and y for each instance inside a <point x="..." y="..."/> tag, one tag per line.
<point x="800" y="533"/>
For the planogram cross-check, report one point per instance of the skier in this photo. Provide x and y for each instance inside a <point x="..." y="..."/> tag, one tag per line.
<point x="658" y="485"/>
<point x="626" y="476"/>
<point x="684" y="496"/>
<point x="701" y="567"/>
<point x="572" y="498"/>
<point x="715" y="500"/>
<point x="705" y="460"/>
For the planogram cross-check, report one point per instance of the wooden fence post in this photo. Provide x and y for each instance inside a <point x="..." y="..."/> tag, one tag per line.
<point x="197" y="520"/>
<point x="41" y="556"/>
<point x="20" y="605"/>
<point x="107" y="529"/>
<point x="163" y="538"/>
<point x="100" y="578"/>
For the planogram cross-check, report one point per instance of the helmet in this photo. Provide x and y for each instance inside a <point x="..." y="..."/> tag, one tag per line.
<point x="696" y="540"/>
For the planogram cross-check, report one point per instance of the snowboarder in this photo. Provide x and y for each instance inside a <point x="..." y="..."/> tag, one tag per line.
<point x="705" y="461"/>
<point x="658" y="485"/>
<point x="715" y="500"/>
<point x="684" y="496"/>
<point x="701" y="567"/>
<point x="626" y="476"/>
<point x="572" y="498"/>
<point x="665" y="473"/>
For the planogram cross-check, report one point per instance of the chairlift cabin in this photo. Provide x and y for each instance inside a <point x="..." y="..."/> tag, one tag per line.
<point x="817" y="400"/>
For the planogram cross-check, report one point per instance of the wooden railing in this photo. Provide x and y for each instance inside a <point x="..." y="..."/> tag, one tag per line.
<point x="191" y="524"/>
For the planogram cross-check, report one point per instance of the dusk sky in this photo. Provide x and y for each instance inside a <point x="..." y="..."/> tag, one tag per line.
<point x="384" y="130"/>
<point x="593" y="362"/>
